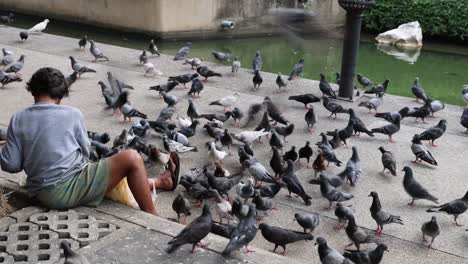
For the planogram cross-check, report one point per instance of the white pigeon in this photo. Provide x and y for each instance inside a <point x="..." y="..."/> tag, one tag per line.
<point x="215" y="155"/>
<point x="183" y="122"/>
<point x="248" y="137"/>
<point x="195" y="62"/>
<point x="465" y="93"/>
<point x="150" y="70"/>
<point x="236" y="64"/>
<point x="38" y="28"/>
<point x="227" y="102"/>
<point x="7" y="57"/>
<point x="223" y="207"/>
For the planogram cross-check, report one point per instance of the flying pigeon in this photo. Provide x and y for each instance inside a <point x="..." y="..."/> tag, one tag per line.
<point x="364" y="81"/>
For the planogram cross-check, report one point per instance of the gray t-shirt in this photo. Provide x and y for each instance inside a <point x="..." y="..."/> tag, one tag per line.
<point x="49" y="142"/>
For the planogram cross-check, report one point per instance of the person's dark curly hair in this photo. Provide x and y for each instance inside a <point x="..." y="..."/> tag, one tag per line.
<point x="48" y="81"/>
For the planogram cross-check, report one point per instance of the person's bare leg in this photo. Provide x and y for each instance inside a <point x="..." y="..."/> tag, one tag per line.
<point x="130" y="164"/>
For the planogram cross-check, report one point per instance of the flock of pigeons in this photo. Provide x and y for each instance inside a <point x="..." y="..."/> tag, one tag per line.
<point x="254" y="196"/>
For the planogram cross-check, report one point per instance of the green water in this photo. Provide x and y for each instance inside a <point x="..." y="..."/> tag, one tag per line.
<point x="442" y="69"/>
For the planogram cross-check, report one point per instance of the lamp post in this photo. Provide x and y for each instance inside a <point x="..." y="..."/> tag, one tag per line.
<point x="354" y="10"/>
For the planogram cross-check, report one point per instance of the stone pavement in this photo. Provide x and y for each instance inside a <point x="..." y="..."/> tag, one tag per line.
<point x="447" y="181"/>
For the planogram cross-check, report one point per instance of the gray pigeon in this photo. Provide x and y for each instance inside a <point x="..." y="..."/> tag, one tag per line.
<point x="435" y="105"/>
<point x="169" y="99"/>
<point x="6" y="78"/>
<point x="181" y="205"/>
<point x="258" y="171"/>
<point x="143" y="58"/>
<point x="307" y="221"/>
<point x="331" y="193"/>
<point x="327" y="151"/>
<point x="357" y="235"/>
<point x="373" y="103"/>
<point x="262" y="204"/>
<point x="297" y="70"/>
<point x="183" y="52"/>
<point x="197" y="230"/>
<point x="366" y="257"/>
<point x="365" y="82"/>
<point x="197" y="87"/>
<point x="310" y="119"/>
<point x="380" y="216"/>
<point x="329" y="255"/>
<point x="7" y="57"/>
<point x="332" y="106"/>
<point x="244" y="233"/>
<point x="421" y="152"/>
<point x="236" y="64"/>
<point x="245" y="190"/>
<point x="430" y="229"/>
<point x="415" y="189"/>
<point x="153" y="48"/>
<point x="221" y="56"/>
<point x="72" y="257"/>
<point x="96" y="52"/>
<point x="17" y="66"/>
<point x="353" y="169"/>
<point x="77" y="67"/>
<point x="257" y="62"/>
<point x="325" y="87"/>
<point x="418" y="91"/>
<point x="434" y="132"/>
<point x="388" y="161"/>
<point x="342" y="212"/>
<point x="282" y="237"/>
<point x="280" y="82"/>
<point x="293" y="184"/>
<point x="455" y="208"/>
<point x="388" y="130"/>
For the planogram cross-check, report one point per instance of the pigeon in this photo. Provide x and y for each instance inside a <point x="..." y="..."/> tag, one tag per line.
<point x="332" y="106"/>
<point x="464" y="119"/>
<point x="310" y="119"/>
<point x="181" y="205"/>
<point x="373" y="103"/>
<point x="353" y="169"/>
<point x="430" y="229"/>
<point x="96" y="52"/>
<point x="239" y="209"/>
<point x="190" y="130"/>
<point x="380" y="216"/>
<point x="331" y="193"/>
<point x="388" y="161"/>
<point x="38" y="28"/>
<point x="220" y="117"/>
<point x="7" y="18"/>
<point x="6" y="78"/>
<point x="118" y="102"/>
<point x="291" y="154"/>
<point x="364" y="81"/>
<point x="100" y="137"/>
<point x="345" y="133"/>
<point x="388" y="130"/>
<point x="165" y="87"/>
<point x="455" y="208"/>
<point x="280" y="82"/>
<point x="246" y="190"/>
<point x="366" y="257"/>
<point x="335" y="142"/>
<point x="221" y="56"/>
<point x="418" y="91"/>
<point x="306" y="99"/>
<point x="262" y="204"/>
<point x="7" y="57"/>
<point x="357" y="235"/>
<point x="393" y="116"/>
<point x="237" y="115"/>
<point x="465" y="93"/>
<point x="326" y="88"/>
<point x="243" y="234"/>
<point x="415" y="189"/>
<point x="252" y="112"/>
<point x="258" y="172"/>
<point x="308" y="221"/>
<point x="276" y="163"/>
<point x="236" y="64"/>
<point x="343" y="213"/>
<point x="434" y="105"/>
<point x="294" y="185"/>
<point x="297" y="70"/>
<point x="72" y="257"/>
<point x="420" y="112"/>
<point x="285" y="130"/>
<point x="194" y="62"/>
<point x="83" y="42"/>
<point x="143" y="58"/>
<point x="140" y="128"/>
<point x="378" y="89"/>
<point x="257" y="80"/>
<point x="129" y="111"/>
<point x="223" y="207"/>
<point x="329" y="255"/>
<point x="274" y="112"/>
<point x="80" y="69"/>
<point x="183" y="52"/>
<point x="149" y="70"/>
<point x="248" y="137"/>
<point x="269" y="190"/>
<point x="319" y="164"/>
<point x="153" y="48"/>
<point x="197" y="87"/>
<point x="257" y="62"/>
<point x="183" y="79"/>
<point x="358" y="125"/>
<point x="334" y="180"/>
<point x="421" y="152"/>
<point x="174" y="146"/>
<point x="282" y="237"/>
<point x="222" y="229"/>
<point x="227" y="102"/>
<point x="327" y="151"/>
<point x="306" y="152"/>
<point x="24" y="35"/>
<point x="16" y="66"/>
<point x="265" y="125"/>
<point x="207" y="73"/>
<point x="197" y="230"/>
<point x="214" y="155"/>
<point x="434" y="132"/>
<point x="117" y="85"/>
<point x="71" y="79"/>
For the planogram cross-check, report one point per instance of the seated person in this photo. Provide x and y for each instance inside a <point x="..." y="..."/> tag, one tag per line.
<point x="49" y="142"/>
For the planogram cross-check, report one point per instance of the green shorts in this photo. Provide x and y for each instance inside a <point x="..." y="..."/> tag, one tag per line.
<point x="86" y="188"/>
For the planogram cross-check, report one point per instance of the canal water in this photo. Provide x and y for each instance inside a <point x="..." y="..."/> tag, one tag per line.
<point x="442" y="68"/>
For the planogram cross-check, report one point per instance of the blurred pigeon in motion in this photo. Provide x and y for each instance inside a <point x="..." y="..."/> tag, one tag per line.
<point x="257" y="80"/>
<point x="415" y="189"/>
<point x="6" y="78"/>
<point x="294" y="185"/>
<point x="192" y="111"/>
<point x="329" y="255"/>
<point x="297" y="70"/>
<point x="285" y="130"/>
<point x="388" y="130"/>
<point x="194" y="62"/>
<point x="77" y="67"/>
<point x="332" y="106"/>
<point x="143" y="58"/>
<point x="24" y="35"/>
<point x="169" y="99"/>
<point x="434" y="132"/>
<point x="421" y="152"/>
<point x="353" y="169"/>
<point x="358" y="126"/>
<point x="306" y="99"/>
<point x="420" y="112"/>
<point x="207" y="73"/>
<point x="464" y="119"/>
<point x="236" y="64"/>
<point x="237" y="115"/>
<point x="465" y="93"/>
<point x="394" y="116"/>
<point x="430" y="229"/>
<point x="38" y="28"/>
<point x="325" y="87"/>
<point x="257" y="62"/>
<point x="96" y="52"/>
<point x="16" y="66"/>
<point x="455" y="208"/>
<point x="243" y="234"/>
<point x="7" y="19"/>
<point x="181" y="206"/>
<point x="150" y="70"/>
<point x="165" y="87"/>
<point x="83" y="42"/>
<point x="343" y="213"/>
<point x="364" y="81"/>
<point x="280" y="82"/>
<point x="183" y="52"/>
<point x="357" y="235"/>
<point x="7" y="57"/>
<point x="72" y="257"/>
<point x="153" y="48"/>
<point x="331" y="193"/>
<point x="380" y="216"/>
<point x="308" y="221"/>
<point x="388" y="161"/>
<point x="100" y="137"/>
<point x="366" y="257"/>
<point x="248" y="137"/>
<point x="183" y="79"/>
<point x="274" y="112"/>
<point x="373" y="103"/>
<point x="418" y="91"/>
<point x="223" y="207"/>
<point x="227" y="102"/>
<point x="197" y="230"/>
<point x="282" y="237"/>
<point x="221" y="56"/>
<point x="310" y="119"/>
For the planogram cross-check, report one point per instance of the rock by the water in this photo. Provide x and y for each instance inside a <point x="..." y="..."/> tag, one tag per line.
<point x="406" y="35"/>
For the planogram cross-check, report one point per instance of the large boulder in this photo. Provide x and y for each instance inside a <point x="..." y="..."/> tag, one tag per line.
<point x="406" y="35"/>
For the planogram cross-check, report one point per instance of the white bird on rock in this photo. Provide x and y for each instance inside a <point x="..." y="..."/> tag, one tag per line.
<point x="38" y="28"/>
<point x="215" y="155"/>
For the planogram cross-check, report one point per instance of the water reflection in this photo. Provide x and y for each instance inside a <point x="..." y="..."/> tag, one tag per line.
<point x="409" y="55"/>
